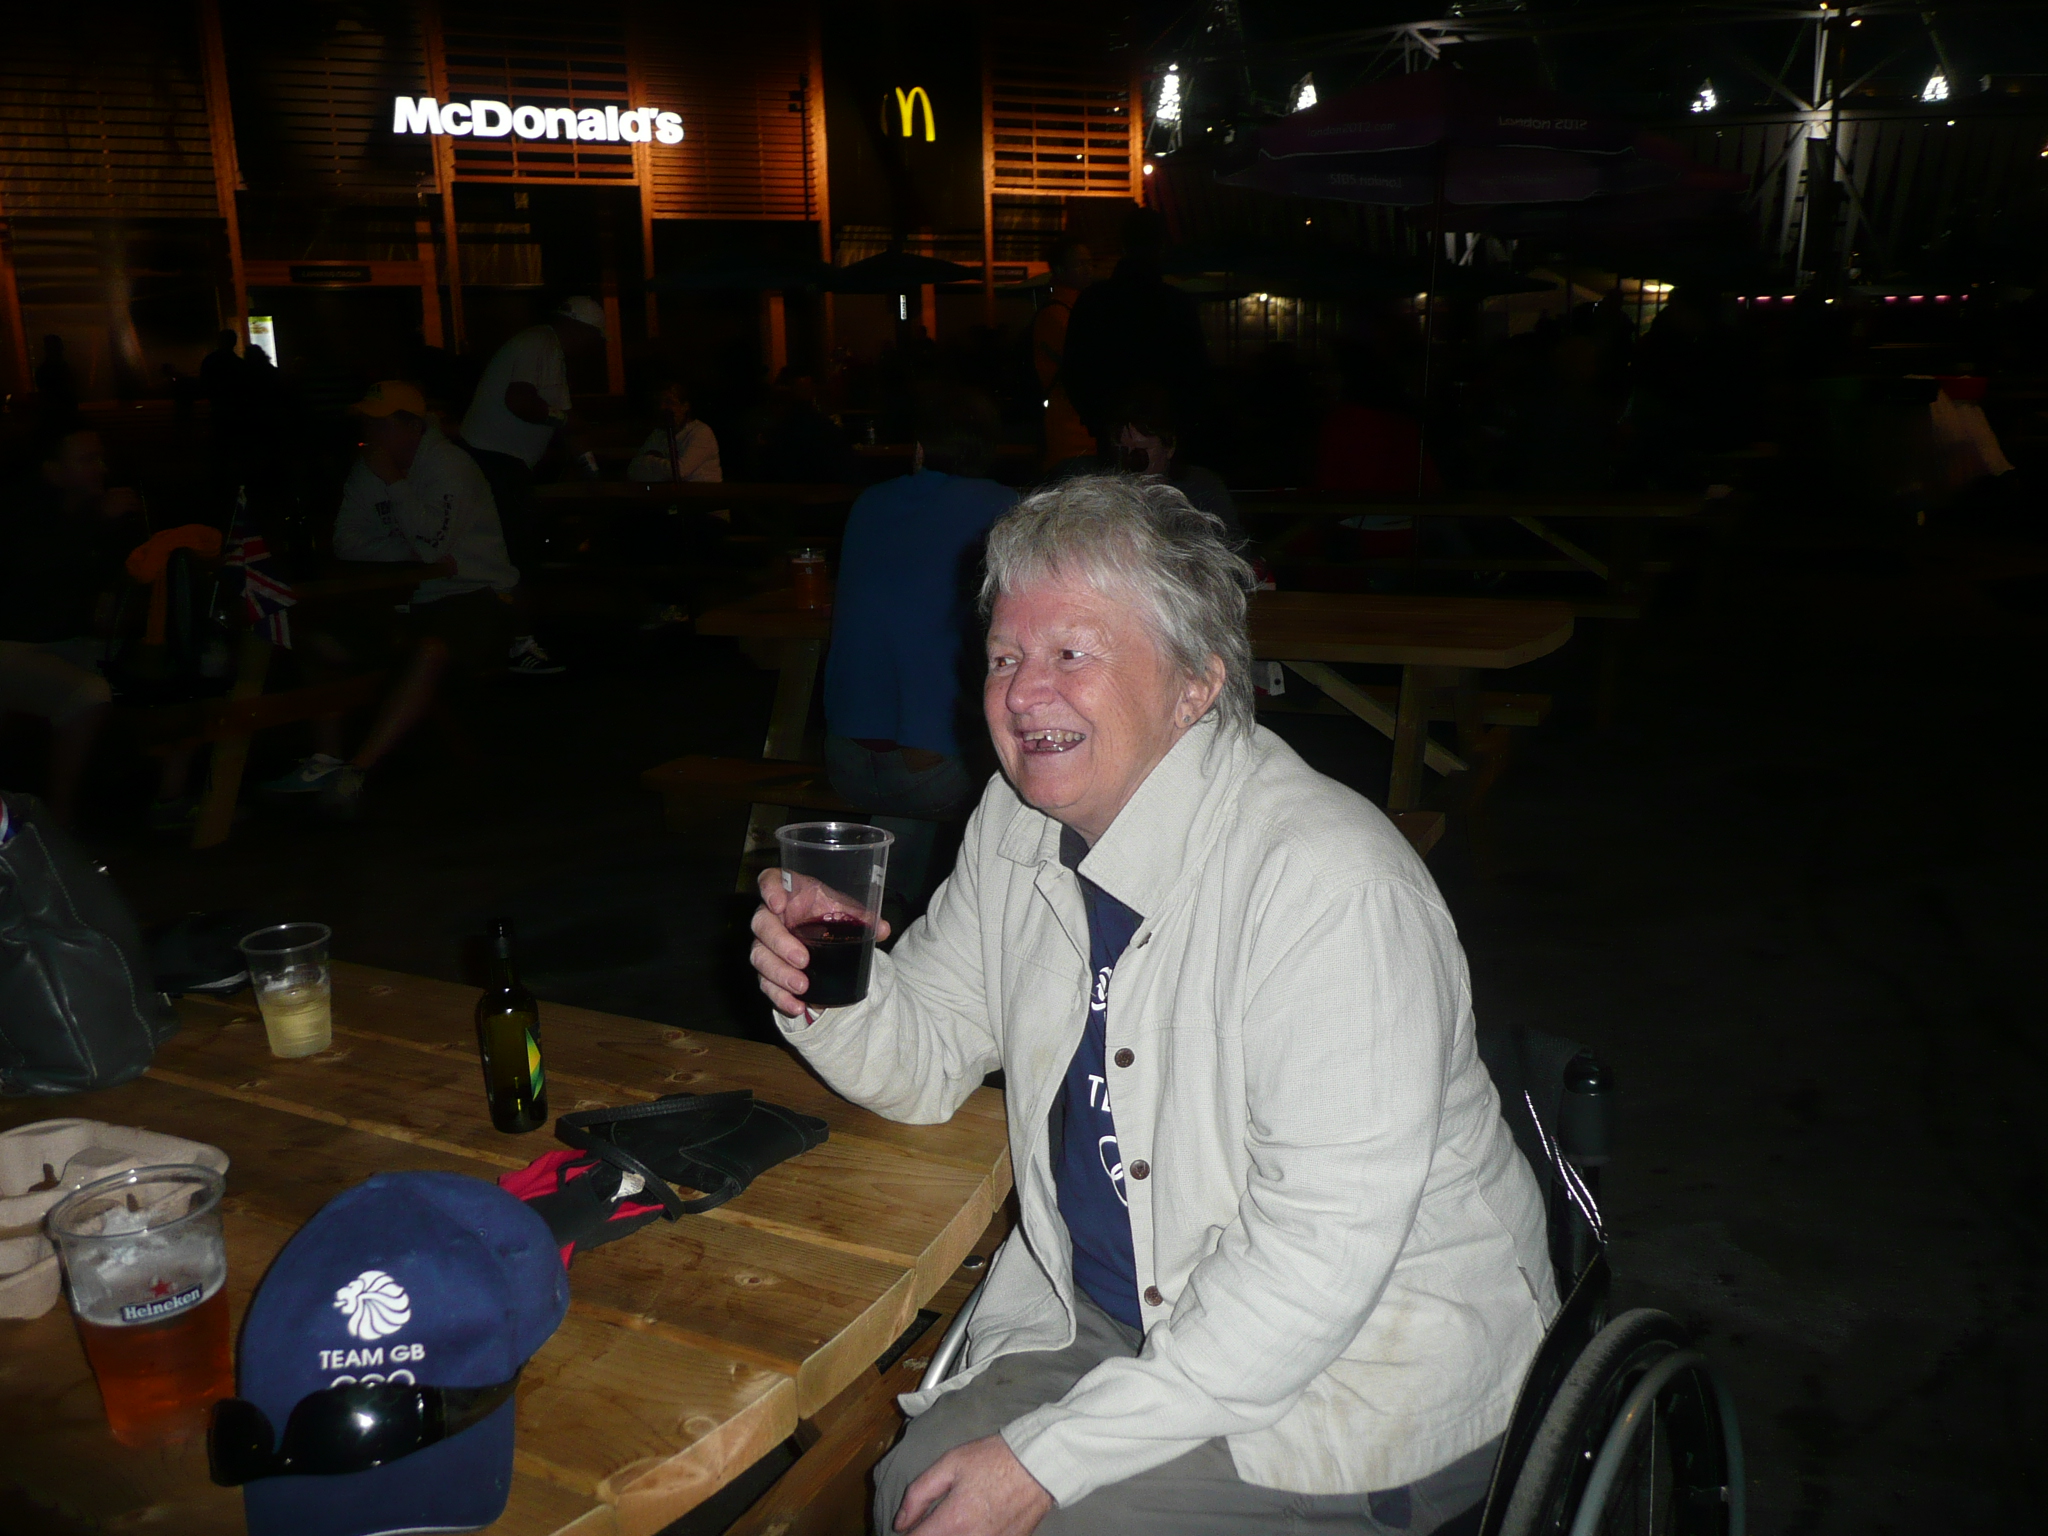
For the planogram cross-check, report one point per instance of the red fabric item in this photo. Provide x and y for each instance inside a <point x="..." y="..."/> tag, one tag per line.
<point x="545" y="1174"/>
<point x="540" y="1184"/>
<point x="1372" y="451"/>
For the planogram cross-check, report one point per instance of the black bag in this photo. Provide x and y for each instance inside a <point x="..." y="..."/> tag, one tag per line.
<point x="716" y="1142"/>
<point x="78" y="1007"/>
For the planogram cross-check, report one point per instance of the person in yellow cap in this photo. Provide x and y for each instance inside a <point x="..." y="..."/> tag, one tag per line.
<point x="413" y="496"/>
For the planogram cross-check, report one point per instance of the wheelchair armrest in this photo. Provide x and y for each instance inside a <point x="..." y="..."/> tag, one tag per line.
<point x="953" y="1343"/>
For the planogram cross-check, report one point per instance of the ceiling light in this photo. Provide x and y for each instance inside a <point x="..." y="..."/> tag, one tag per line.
<point x="1936" y="88"/>
<point x="1168" y="110"/>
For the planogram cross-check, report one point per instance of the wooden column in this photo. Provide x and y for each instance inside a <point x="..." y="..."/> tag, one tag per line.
<point x="21" y="372"/>
<point x="988" y="177"/>
<point x="227" y="171"/>
<point x="653" y="310"/>
<point x="643" y="182"/>
<point x="774" y="332"/>
<point x="614" y="329"/>
<point x="1137" y="129"/>
<point x="430" y="284"/>
<point x="817" y="166"/>
<point x="444" y="169"/>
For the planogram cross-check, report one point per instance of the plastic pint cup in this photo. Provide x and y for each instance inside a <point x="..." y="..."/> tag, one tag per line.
<point x="288" y="970"/>
<point x="833" y="871"/>
<point x="147" y="1273"/>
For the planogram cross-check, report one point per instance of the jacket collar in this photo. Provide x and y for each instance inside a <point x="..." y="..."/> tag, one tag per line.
<point x="1168" y="823"/>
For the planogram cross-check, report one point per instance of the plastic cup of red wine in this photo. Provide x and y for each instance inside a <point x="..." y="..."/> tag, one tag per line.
<point x="834" y="872"/>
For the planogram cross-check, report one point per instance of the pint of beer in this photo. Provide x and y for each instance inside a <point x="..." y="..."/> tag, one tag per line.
<point x="288" y="972"/>
<point x="147" y="1273"/>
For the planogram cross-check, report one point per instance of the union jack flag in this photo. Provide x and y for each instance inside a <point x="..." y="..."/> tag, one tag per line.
<point x="265" y="597"/>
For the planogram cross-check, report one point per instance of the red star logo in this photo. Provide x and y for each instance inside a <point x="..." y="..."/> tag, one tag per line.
<point x="160" y="1288"/>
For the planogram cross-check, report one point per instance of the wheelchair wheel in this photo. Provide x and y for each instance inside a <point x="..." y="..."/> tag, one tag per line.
<point x="1673" y="1475"/>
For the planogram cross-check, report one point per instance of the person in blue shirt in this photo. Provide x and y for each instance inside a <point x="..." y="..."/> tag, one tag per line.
<point x="904" y="635"/>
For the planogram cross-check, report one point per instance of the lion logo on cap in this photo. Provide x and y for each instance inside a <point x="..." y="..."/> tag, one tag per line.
<point x="375" y="1305"/>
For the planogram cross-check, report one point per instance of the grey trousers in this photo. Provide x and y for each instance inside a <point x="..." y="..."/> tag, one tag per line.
<point x="1197" y="1494"/>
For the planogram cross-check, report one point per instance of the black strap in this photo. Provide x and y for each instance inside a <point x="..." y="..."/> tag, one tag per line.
<point x="673" y="1104"/>
<point x="574" y="1129"/>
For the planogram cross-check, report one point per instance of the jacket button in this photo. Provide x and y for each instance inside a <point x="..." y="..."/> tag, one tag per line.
<point x="1141" y="1169"/>
<point x="1124" y="1057"/>
<point x="1153" y="1298"/>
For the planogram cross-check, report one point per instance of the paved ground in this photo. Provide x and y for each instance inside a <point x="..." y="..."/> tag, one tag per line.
<point x="1795" y="902"/>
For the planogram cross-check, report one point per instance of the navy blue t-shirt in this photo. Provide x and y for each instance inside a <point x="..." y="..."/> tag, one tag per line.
<point x="1087" y="1169"/>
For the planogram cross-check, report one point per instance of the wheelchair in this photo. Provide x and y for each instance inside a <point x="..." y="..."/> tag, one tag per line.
<point x="1621" y="1426"/>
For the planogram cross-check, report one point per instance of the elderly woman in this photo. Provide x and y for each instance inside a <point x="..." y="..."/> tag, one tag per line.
<point x="1280" y="1261"/>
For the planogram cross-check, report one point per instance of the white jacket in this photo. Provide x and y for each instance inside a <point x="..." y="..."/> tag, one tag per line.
<point x="1339" y="1250"/>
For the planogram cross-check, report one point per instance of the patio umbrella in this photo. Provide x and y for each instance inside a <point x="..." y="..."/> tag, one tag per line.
<point x="1443" y="140"/>
<point x="898" y="272"/>
<point x="1412" y="141"/>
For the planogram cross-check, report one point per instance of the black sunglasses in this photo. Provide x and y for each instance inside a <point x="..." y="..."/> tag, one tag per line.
<point x="349" y="1428"/>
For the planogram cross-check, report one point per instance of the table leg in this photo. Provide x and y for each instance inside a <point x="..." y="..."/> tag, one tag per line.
<point x="231" y="754"/>
<point x="1411" y="739"/>
<point x="1369" y="709"/>
<point x="791" y="713"/>
<point x="1565" y="546"/>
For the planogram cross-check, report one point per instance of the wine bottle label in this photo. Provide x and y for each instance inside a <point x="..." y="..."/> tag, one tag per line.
<point x="539" y="1077"/>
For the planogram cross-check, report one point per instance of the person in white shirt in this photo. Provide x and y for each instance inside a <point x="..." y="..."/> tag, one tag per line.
<point x="681" y="448"/>
<point x="412" y="497"/>
<point x="521" y="404"/>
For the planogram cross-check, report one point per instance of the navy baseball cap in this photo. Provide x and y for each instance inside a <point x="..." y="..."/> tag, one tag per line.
<point x="429" y="1278"/>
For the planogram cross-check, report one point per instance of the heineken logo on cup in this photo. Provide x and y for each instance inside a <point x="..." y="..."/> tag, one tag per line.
<point x="496" y="119"/>
<point x="150" y="1311"/>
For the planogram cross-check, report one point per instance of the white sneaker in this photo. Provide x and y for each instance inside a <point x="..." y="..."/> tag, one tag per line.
<point x="527" y="659"/>
<point x="312" y="775"/>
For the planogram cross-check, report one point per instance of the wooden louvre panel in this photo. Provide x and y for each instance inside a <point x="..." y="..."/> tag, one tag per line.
<point x="1062" y="117"/>
<point x="738" y="76"/>
<point x="313" y="86"/>
<point x="103" y="114"/>
<point x="538" y="53"/>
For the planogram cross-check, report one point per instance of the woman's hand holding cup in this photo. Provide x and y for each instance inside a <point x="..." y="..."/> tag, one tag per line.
<point x="779" y="957"/>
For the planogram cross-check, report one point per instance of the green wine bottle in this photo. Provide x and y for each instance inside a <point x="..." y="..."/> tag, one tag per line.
<point x="508" y="1038"/>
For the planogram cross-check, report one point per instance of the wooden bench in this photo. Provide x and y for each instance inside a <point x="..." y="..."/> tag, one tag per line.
<point x="229" y="724"/>
<point x="689" y="781"/>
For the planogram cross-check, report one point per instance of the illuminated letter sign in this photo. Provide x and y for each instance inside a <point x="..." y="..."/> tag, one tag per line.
<point x="907" y="103"/>
<point x="497" y="119"/>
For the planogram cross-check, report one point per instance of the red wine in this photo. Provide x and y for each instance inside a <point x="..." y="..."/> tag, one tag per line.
<point x="842" y="955"/>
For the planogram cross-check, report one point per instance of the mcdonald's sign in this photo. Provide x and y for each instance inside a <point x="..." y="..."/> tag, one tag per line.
<point x="905" y="119"/>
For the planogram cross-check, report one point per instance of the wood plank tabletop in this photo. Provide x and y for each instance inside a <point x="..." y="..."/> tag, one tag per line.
<point x="1406" y="631"/>
<point x="770" y="615"/>
<point x="690" y="1349"/>
<point x="712" y="492"/>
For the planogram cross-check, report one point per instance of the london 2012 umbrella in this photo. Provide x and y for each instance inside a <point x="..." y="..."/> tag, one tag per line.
<point x="1456" y="145"/>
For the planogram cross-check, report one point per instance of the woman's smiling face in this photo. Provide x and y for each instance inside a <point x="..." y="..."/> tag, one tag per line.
<point x="1082" y="703"/>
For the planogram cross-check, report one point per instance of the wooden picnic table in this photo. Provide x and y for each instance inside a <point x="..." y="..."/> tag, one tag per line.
<point x="691" y="1349"/>
<point x="1440" y="643"/>
<point x="1634" y="510"/>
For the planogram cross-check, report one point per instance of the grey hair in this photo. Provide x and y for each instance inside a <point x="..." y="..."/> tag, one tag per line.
<point x="1137" y="533"/>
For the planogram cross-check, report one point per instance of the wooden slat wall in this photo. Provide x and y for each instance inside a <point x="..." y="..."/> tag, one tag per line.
<point x="1065" y="119"/>
<point x="104" y="115"/>
<point x="739" y="77"/>
<point x="540" y="53"/>
<point x="312" y="99"/>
